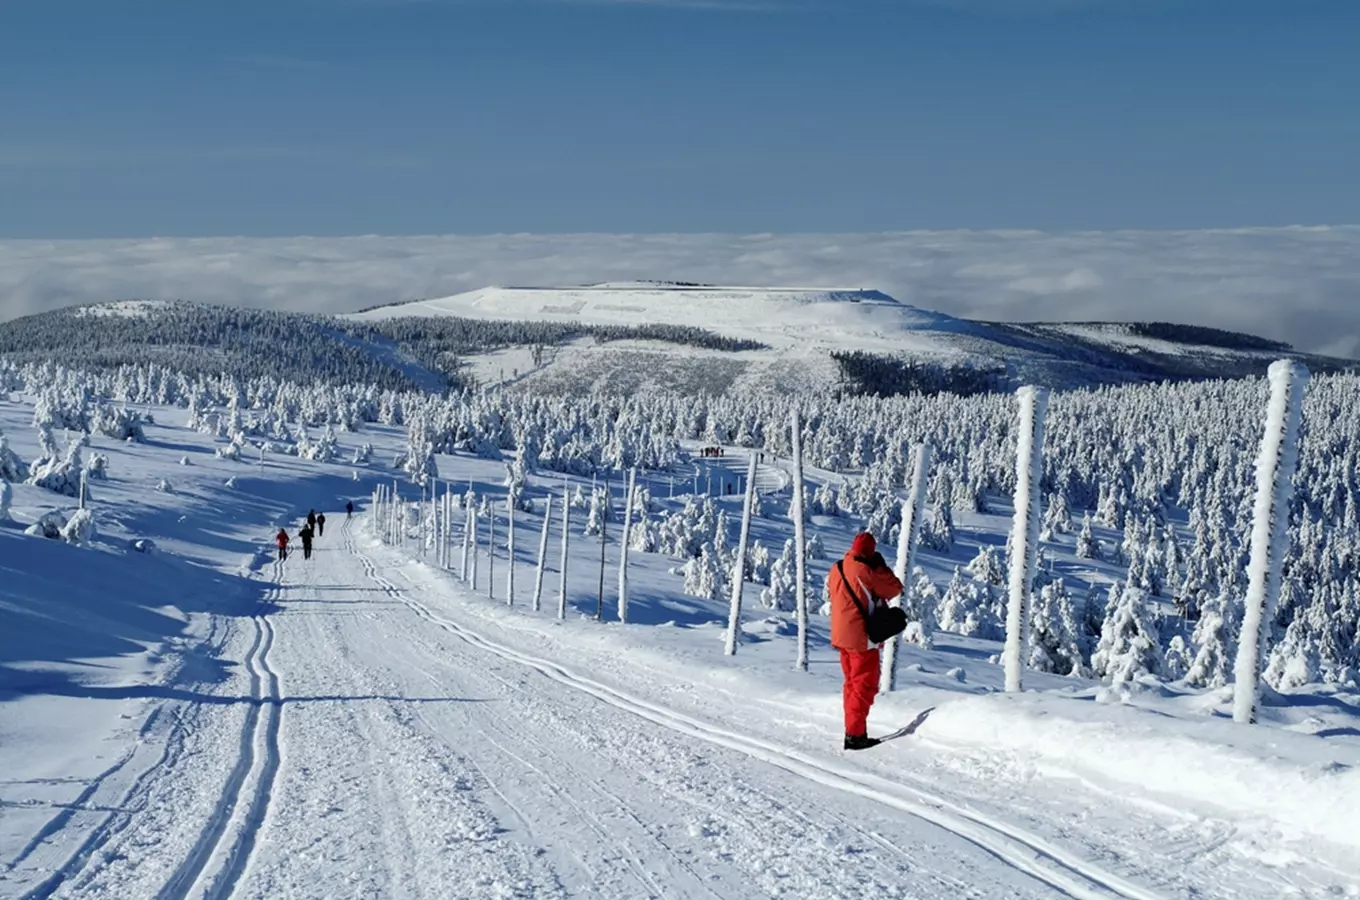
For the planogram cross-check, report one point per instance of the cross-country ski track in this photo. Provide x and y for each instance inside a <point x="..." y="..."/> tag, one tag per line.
<point x="370" y="744"/>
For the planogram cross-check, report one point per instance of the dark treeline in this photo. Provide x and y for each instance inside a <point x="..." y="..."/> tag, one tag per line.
<point x="199" y="339"/>
<point x="882" y="375"/>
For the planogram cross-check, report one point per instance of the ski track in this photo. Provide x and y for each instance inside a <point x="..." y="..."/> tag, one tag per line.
<point x="72" y="875"/>
<point x="257" y="762"/>
<point x="1026" y="853"/>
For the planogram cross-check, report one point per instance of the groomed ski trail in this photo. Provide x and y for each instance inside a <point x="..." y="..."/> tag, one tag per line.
<point x="1026" y="853"/>
<point x="223" y="848"/>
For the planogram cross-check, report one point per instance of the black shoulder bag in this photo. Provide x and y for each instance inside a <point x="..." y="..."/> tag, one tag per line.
<point x="884" y="622"/>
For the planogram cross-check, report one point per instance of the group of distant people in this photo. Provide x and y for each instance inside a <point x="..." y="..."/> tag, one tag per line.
<point x="315" y="527"/>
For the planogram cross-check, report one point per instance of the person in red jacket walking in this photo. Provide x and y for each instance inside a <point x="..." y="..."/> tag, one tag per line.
<point x="857" y="584"/>
<point x="281" y="540"/>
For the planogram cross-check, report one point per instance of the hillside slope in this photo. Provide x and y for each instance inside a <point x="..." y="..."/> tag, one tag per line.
<point x="805" y="329"/>
<point x="629" y="337"/>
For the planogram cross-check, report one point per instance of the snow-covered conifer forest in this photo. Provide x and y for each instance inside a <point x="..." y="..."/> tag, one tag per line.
<point x="170" y="471"/>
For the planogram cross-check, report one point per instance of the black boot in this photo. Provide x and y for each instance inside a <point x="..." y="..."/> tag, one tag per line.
<point x="860" y="742"/>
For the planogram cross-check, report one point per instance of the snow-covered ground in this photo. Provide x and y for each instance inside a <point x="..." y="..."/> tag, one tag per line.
<point x="199" y="720"/>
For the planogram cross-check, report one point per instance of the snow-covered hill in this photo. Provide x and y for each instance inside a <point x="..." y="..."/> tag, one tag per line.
<point x="625" y="337"/>
<point x="803" y="329"/>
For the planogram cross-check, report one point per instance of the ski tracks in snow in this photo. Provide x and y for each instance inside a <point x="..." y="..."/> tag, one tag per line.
<point x="1022" y="851"/>
<point x="223" y="849"/>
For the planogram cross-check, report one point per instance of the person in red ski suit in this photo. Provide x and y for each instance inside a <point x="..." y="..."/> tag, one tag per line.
<point x="281" y="540"/>
<point x="857" y="584"/>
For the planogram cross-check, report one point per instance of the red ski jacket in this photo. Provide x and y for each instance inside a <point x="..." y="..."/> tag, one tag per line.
<point x="866" y="580"/>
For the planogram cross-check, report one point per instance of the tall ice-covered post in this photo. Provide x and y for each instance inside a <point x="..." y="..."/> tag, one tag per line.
<point x="1275" y="467"/>
<point x="739" y="570"/>
<point x="1029" y="470"/>
<point x="912" y="508"/>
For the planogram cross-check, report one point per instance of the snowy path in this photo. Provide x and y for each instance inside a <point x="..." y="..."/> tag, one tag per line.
<point x="480" y="774"/>
<point x="369" y="748"/>
<point x="375" y="742"/>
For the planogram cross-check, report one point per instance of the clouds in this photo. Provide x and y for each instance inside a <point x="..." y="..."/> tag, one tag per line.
<point x="1300" y="285"/>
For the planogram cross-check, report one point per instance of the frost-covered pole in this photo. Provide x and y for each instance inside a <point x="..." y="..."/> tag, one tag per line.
<point x="623" y="546"/>
<point x="83" y="488"/>
<point x="491" y="551"/>
<point x="566" y="536"/>
<point x="443" y="537"/>
<point x="467" y="542"/>
<point x="542" y="554"/>
<point x="604" y="528"/>
<point x="912" y="508"/>
<point x="739" y="570"/>
<point x="1029" y="471"/>
<point x="1269" y="528"/>
<point x="510" y="553"/>
<point x="800" y="553"/>
<point x="476" y="550"/>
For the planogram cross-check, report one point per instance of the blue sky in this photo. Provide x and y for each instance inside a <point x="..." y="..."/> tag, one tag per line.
<point x="332" y="117"/>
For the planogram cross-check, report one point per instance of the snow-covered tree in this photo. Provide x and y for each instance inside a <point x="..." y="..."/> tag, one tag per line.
<point x="987" y="566"/>
<point x="1178" y="659"/>
<point x="80" y="528"/>
<point x="61" y="475"/>
<point x="921" y="603"/>
<point x="1055" y="636"/>
<point x="937" y="531"/>
<point x="966" y="608"/>
<point x="1087" y="546"/>
<point x="705" y="576"/>
<point x="1129" y="643"/>
<point x="12" y="468"/>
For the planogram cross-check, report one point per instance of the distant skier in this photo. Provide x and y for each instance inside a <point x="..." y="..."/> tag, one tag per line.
<point x="320" y="524"/>
<point x="305" y="533"/>
<point x="858" y="584"/>
<point x="281" y="540"/>
<point x="311" y="519"/>
<point x="349" y="509"/>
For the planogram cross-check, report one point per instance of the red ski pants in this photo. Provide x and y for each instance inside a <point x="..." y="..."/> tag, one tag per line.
<point x="861" y="684"/>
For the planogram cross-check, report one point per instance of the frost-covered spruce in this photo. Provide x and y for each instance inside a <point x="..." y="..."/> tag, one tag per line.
<point x="1129" y="643"/>
<point x="1177" y="660"/>
<point x="1215" y="642"/>
<point x="937" y="531"/>
<point x="705" y="575"/>
<point x="80" y="528"/>
<point x="1087" y="545"/>
<point x="61" y="475"/>
<point x="921" y="604"/>
<point x="783" y="582"/>
<point x="987" y="566"/>
<point x="6" y="498"/>
<point x="1055" y="636"/>
<point x="12" y="468"/>
<point x="97" y="467"/>
<point x="966" y="608"/>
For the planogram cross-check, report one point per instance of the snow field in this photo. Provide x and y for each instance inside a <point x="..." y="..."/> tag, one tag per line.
<point x="427" y="742"/>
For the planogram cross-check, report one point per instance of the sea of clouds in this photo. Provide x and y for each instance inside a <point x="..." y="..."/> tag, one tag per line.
<point x="1301" y="285"/>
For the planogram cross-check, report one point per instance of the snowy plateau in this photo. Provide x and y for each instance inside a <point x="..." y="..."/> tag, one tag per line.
<point x="465" y="692"/>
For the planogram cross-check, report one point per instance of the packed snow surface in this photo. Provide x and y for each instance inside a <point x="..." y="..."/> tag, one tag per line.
<point x="181" y="715"/>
